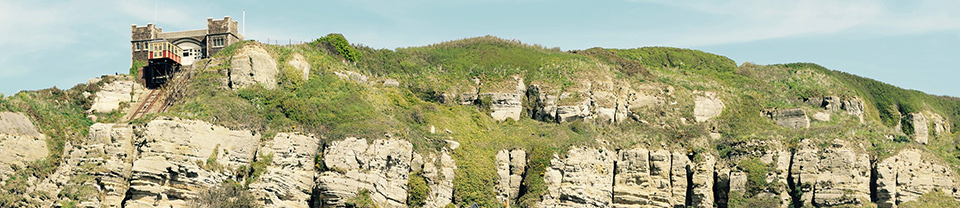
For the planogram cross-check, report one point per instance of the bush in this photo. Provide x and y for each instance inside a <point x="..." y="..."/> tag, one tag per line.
<point x="935" y="198"/>
<point x="737" y="199"/>
<point x="227" y="194"/>
<point x="362" y="200"/>
<point x="338" y="43"/>
<point x="417" y="190"/>
<point x="756" y="175"/>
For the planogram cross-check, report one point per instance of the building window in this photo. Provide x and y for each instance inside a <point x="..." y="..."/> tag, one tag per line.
<point x="217" y="41"/>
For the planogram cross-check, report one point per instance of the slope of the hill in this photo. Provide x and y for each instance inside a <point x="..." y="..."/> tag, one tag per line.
<point x="488" y="121"/>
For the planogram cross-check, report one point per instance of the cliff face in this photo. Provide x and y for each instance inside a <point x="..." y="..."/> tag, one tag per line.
<point x="496" y="123"/>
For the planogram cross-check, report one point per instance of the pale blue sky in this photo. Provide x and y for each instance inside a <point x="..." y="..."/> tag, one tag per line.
<point x="911" y="44"/>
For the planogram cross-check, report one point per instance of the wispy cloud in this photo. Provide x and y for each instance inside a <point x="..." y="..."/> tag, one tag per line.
<point x="752" y="20"/>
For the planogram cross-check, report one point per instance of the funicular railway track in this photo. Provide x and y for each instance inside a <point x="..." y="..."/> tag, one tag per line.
<point x="166" y="95"/>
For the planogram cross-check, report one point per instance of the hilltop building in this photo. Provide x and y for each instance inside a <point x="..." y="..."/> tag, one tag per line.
<point x="196" y="44"/>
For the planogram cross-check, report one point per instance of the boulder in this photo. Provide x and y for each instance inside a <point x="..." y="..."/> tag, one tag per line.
<point x="790" y="118"/>
<point x="352" y="76"/>
<point x="707" y="106"/>
<point x="920" y="126"/>
<point x="120" y="90"/>
<point x="20" y="143"/>
<point x="251" y="65"/>
<point x="300" y="63"/>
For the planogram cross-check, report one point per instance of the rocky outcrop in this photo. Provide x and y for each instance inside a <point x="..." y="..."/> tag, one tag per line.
<point x="909" y="174"/>
<point x="438" y="171"/>
<point x="119" y="90"/>
<point x="179" y="157"/>
<point x="584" y="178"/>
<point x="352" y="76"/>
<point x="300" y="64"/>
<point x="382" y="168"/>
<point x="504" y="105"/>
<point x="604" y="102"/>
<point x="252" y="65"/>
<point x="20" y="142"/>
<point x="289" y="178"/>
<point x="707" y="106"/>
<point x="852" y="106"/>
<point x="101" y="163"/>
<point x="919" y="125"/>
<point x="510" y="168"/>
<point x="702" y="178"/>
<point x="834" y="175"/>
<point x="650" y="178"/>
<point x="790" y="118"/>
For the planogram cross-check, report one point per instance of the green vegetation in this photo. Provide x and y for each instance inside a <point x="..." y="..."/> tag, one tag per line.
<point x="338" y="43"/>
<point x="756" y="175"/>
<point x="417" y="190"/>
<point x="738" y="199"/>
<point x="362" y="200"/>
<point x="135" y="69"/>
<point x="226" y="194"/>
<point x="935" y="198"/>
<point x="891" y="102"/>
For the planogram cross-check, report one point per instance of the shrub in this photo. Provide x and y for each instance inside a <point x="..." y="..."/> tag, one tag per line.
<point x="227" y="194"/>
<point x="417" y="190"/>
<point x="738" y="199"/>
<point x="362" y="200"/>
<point x="338" y="43"/>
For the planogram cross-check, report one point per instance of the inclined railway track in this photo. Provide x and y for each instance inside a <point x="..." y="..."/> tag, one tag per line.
<point x="166" y="95"/>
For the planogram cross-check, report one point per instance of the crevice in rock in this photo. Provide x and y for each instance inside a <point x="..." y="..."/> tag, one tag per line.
<point x="793" y="184"/>
<point x="720" y="190"/>
<point x="613" y="185"/>
<point x="688" y="201"/>
<point x="874" y="197"/>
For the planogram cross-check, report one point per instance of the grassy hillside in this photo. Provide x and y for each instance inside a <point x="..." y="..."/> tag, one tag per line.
<point x="333" y="108"/>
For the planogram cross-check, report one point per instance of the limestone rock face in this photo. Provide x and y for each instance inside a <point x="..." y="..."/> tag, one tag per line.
<point x="101" y="163"/>
<point x="252" y="65"/>
<point x="439" y="174"/>
<point x="790" y="118"/>
<point x="20" y="142"/>
<point x="510" y="167"/>
<point x="821" y="116"/>
<point x="113" y="93"/>
<point x="382" y="168"/>
<point x="352" y="76"/>
<point x="650" y="178"/>
<point x="909" y="174"/>
<point x="505" y="105"/>
<point x="583" y="179"/>
<point x="832" y="176"/>
<point x="707" y="106"/>
<point x="703" y="182"/>
<point x="853" y="106"/>
<point x="289" y="179"/>
<point x="920" y="126"/>
<point x="179" y="157"/>
<point x="300" y="63"/>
